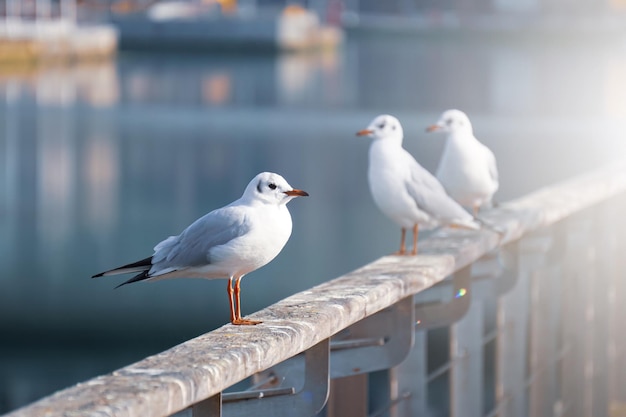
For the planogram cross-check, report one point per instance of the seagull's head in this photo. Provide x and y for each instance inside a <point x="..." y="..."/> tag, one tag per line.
<point x="383" y="127"/>
<point x="452" y="121"/>
<point x="270" y="188"/>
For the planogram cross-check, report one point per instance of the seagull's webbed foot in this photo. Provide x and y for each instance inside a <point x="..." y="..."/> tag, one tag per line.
<point x="245" y="322"/>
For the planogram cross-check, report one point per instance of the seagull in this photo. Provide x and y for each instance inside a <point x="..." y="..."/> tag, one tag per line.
<point x="467" y="168"/>
<point x="228" y="242"/>
<point x="403" y="190"/>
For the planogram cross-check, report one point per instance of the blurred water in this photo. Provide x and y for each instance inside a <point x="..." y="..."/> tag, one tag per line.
<point x="100" y="162"/>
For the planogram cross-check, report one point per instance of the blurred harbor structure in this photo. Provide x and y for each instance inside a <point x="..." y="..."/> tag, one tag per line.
<point x="489" y="16"/>
<point x="555" y="7"/>
<point x="532" y="322"/>
<point x="45" y="30"/>
<point x="225" y="25"/>
<point x="48" y="28"/>
<point x="222" y="24"/>
<point x="307" y="24"/>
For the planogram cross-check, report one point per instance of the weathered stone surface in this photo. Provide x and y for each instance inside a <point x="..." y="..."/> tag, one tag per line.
<point x="199" y="368"/>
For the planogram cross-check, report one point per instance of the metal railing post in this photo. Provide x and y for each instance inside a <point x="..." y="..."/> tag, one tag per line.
<point x="512" y="320"/>
<point x="374" y="347"/>
<point x="412" y="374"/>
<point x="466" y="349"/>
<point x="575" y="326"/>
<point x="601" y="278"/>
<point x="412" y="381"/>
<point x="211" y="407"/>
<point x="617" y="308"/>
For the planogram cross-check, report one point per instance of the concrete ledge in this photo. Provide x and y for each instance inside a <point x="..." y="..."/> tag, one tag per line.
<point x="199" y="368"/>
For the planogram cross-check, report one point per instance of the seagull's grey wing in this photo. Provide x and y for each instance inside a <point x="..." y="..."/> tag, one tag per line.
<point x="192" y="246"/>
<point x="431" y="197"/>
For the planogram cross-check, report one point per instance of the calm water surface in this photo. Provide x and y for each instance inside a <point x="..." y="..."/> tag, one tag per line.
<point x="100" y="162"/>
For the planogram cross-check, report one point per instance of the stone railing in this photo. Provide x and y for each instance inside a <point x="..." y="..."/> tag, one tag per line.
<point x="555" y="345"/>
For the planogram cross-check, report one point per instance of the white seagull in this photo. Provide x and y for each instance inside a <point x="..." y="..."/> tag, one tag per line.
<point x="403" y="190"/>
<point x="228" y="242"/>
<point x="467" y="168"/>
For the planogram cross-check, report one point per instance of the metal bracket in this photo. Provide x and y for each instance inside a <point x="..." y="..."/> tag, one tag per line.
<point x="510" y="275"/>
<point x="431" y="315"/>
<point x="378" y="342"/>
<point x="308" y="401"/>
<point x="496" y="273"/>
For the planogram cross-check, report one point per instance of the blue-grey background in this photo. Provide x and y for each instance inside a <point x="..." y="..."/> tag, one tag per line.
<point x="99" y="162"/>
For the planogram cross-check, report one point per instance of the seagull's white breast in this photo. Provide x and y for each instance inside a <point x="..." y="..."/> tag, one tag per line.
<point x="464" y="171"/>
<point x="269" y="232"/>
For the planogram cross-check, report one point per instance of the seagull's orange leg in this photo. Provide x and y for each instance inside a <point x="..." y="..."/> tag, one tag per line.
<point x="476" y="208"/>
<point x="230" y="299"/>
<point x="415" y="233"/>
<point x="238" y="319"/>
<point x="402" y="250"/>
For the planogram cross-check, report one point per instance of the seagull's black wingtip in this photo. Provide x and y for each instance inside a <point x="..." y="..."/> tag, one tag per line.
<point x="139" y="277"/>
<point x="122" y="284"/>
<point x="134" y="267"/>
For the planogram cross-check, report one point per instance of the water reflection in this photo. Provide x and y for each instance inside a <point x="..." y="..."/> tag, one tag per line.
<point x="100" y="162"/>
<point x="101" y="173"/>
<point x="94" y="83"/>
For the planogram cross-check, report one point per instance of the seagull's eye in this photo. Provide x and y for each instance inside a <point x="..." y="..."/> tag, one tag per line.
<point x="449" y="121"/>
<point x="382" y="125"/>
<point x="272" y="186"/>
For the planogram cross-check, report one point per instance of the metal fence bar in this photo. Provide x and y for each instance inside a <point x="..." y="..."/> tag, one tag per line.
<point x="545" y="317"/>
<point x="348" y="397"/>
<point x="575" y="325"/>
<point x="466" y="377"/>
<point x="599" y="276"/>
<point x="587" y="307"/>
<point x="617" y="307"/>
<point x="512" y="319"/>
<point x="541" y="379"/>
<point x="210" y="407"/>
<point x="412" y="380"/>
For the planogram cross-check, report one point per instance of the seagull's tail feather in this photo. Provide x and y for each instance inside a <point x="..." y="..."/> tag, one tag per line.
<point x="143" y="265"/>
<point x="139" y="277"/>
<point x="472" y="224"/>
<point x="490" y="226"/>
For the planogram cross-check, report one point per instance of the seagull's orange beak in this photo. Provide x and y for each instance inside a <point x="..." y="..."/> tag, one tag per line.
<point x="364" y="132"/>
<point x="297" y="193"/>
<point x="433" y="128"/>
